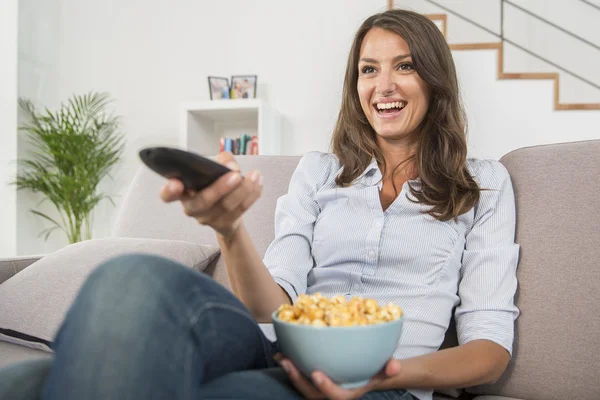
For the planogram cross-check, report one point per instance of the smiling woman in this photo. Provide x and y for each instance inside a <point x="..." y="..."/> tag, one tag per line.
<point x="392" y="95"/>
<point x="401" y="90"/>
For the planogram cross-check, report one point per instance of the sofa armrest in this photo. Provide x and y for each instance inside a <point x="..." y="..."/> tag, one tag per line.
<point x="11" y="266"/>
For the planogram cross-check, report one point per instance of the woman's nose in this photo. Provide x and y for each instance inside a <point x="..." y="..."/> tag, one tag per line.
<point x="386" y="84"/>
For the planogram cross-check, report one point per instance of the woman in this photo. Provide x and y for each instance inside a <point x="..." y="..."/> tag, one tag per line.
<point x="396" y="213"/>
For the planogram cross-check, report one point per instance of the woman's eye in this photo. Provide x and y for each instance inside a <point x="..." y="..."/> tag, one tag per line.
<point x="367" y="70"/>
<point x="406" y="67"/>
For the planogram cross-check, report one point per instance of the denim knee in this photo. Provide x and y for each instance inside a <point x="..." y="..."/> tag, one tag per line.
<point x="121" y="269"/>
<point x="169" y="274"/>
<point x="144" y="270"/>
<point x="135" y="291"/>
<point x="129" y="286"/>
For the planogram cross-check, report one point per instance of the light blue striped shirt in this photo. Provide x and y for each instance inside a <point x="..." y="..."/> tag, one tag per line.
<point x="336" y="240"/>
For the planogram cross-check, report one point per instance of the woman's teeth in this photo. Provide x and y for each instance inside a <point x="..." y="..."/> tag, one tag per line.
<point x="387" y="106"/>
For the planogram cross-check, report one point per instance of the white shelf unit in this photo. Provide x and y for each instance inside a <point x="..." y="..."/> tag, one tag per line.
<point x="203" y="123"/>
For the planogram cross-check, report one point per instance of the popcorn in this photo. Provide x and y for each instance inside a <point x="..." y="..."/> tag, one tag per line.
<point x="320" y="311"/>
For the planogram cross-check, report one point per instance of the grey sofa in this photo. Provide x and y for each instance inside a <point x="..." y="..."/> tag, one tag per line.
<point x="557" y="345"/>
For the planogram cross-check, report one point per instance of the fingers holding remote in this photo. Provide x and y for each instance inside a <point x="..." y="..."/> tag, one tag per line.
<point x="222" y="204"/>
<point x="173" y="190"/>
<point x="227" y="159"/>
<point x="243" y="196"/>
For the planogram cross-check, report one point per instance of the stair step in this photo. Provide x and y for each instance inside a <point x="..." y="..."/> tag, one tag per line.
<point x="528" y="75"/>
<point x="441" y="19"/>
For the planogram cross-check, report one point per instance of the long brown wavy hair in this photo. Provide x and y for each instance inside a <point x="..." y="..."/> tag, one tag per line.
<point x="440" y="159"/>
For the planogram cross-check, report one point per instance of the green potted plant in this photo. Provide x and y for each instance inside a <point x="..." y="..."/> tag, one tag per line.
<point x="73" y="149"/>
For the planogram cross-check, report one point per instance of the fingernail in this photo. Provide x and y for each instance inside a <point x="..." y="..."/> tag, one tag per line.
<point x="254" y="176"/>
<point x="233" y="179"/>
<point x="317" y="379"/>
<point x="285" y="366"/>
<point x="232" y="165"/>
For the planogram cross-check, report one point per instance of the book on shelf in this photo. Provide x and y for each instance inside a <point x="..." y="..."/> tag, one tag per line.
<point x="242" y="145"/>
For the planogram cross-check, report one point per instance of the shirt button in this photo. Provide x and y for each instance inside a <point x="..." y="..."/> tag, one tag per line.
<point x="378" y="225"/>
<point x="372" y="254"/>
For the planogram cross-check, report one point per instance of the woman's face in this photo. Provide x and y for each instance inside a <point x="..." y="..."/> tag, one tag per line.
<point x="392" y="95"/>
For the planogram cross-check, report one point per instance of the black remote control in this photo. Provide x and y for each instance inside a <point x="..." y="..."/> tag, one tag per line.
<point x="193" y="170"/>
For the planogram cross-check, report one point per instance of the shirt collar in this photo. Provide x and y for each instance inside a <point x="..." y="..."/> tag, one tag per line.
<point x="374" y="178"/>
<point x="367" y="176"/>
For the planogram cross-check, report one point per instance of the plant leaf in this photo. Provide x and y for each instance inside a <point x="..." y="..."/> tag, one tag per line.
<point x="36" y="212"/>
<point x="46" y="232"/>
<point x="73" y="149"/>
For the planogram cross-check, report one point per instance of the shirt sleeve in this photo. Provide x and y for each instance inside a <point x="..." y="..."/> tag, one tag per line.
<point x="289" y="257"/>
<point x="488" y="280"/>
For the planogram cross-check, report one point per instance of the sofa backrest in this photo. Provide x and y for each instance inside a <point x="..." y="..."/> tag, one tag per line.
<point x="144" y="215"/>
<point x="557" y="348"/>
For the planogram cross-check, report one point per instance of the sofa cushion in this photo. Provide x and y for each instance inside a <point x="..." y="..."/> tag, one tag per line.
<point x="495" y="398"/>
<point x="11" y="353"/>
<point x="158" y="220"/>
<point x="35" y="301"/>
<point x="557" y="345"/>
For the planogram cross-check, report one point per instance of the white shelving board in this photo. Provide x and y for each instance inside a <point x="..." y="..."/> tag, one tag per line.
<point x="203" y="123"/>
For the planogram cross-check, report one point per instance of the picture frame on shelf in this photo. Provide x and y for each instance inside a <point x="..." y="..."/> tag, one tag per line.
<point x="218" y="87"/>
<point x="243" y="86"/>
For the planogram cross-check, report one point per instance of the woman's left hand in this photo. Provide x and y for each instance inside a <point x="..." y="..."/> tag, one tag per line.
<point x="322" y="387"/>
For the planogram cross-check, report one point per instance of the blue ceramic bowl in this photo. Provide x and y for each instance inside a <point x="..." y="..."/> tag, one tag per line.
<point x="349" y="355"/>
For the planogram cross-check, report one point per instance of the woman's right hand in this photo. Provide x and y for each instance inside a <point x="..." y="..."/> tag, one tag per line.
<point x="222" y="204"/>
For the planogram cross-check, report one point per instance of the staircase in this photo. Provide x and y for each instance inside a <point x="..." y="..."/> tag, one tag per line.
<point x="441" y="21"/>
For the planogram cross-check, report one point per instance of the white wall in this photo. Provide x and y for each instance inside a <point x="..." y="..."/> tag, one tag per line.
<point x="153" y="55"/>
<point x="38" y="80"/>
<point x="505" y="115"/>
<point x="532" y="34"/>
<point x="8" y="126"/>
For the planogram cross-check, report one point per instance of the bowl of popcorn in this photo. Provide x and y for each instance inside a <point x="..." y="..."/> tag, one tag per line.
<point x="349" y="340"/>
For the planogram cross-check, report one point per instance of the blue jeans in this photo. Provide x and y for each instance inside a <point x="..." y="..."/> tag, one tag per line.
<point x="144" y="327"/>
